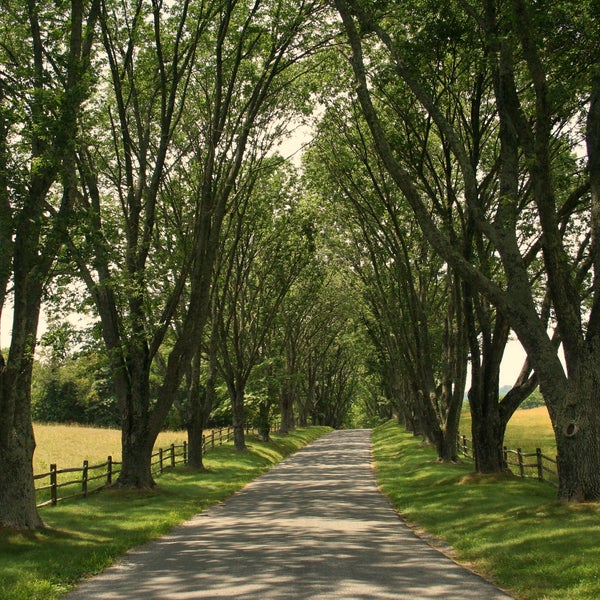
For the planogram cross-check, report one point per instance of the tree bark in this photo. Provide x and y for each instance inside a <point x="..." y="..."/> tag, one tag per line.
<point x="239" y="420"/>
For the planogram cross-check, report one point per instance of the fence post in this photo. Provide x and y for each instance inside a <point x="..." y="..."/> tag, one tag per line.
<point x="212" y="435"/>
<point x="173" y="455"/>
<point x="185" y="457"/>
<point x="520" y="459"/>
<point x="464" y="445"/>
<point x="84" y="478"/>
<point x="220" y="436"/>
<point x="53" y="482"/>
<point x="160" y="460"/>
<point x="540" y="466"/>
<point x="109" y="469"/>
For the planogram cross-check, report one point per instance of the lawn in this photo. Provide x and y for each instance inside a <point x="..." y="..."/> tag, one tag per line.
<point x="508" y="529"/>
<point x="84" y="536"/>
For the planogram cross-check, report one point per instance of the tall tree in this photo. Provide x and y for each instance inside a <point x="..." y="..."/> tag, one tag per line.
<point x="45" y="71"/>
<point x="191" y="88"/>
<point x="266" y="253"/>
<point x="531" y="120"/>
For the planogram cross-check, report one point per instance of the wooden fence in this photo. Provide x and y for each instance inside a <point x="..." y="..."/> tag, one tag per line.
<point x="530" y="465"/>
<point x="62" y="484"/>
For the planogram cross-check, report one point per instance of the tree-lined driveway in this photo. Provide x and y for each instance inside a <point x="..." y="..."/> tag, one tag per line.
<point x="315" y="526"/>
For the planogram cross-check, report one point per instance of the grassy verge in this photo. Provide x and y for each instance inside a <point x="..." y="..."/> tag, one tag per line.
<point x="85" y="536"/>
<point x="508" y="529"/>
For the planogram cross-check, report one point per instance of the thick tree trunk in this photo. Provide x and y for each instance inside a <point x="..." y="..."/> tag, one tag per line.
<point x="286" y="408"/>
<point x="264" y="425"/>
<point x="137" y="441"/>
<point x="199" y="406"/>
<point x="17" y="490"/>
<point x="136" y="471"/>
<point x="578" y="447"/>
<point x="487" y="431"/>
<point x="576" y="423"/>
<point x="17" y="443"/>
<point x="195" y="456"/>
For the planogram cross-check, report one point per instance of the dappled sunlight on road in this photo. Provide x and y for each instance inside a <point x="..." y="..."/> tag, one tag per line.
<point x="315" y="526"/>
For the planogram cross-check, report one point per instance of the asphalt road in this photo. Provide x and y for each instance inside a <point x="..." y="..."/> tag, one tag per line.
<point x="315" y="526"/>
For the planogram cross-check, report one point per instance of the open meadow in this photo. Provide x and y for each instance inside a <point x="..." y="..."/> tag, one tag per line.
<point x="528" y="429"/>
<point x="69" y="445"/>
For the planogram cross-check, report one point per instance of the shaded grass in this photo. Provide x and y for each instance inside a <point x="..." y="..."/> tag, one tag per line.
<point x="85" y="536"/>
<point x="509" y="529"/>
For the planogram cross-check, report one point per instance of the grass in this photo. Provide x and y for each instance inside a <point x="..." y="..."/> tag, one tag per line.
<point x="508" y="529"/>
<point x="82" y="537"/>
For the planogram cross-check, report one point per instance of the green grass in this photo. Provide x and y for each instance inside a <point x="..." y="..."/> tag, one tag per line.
<point x="84" y="536"/>
<point x="509" y="529"/>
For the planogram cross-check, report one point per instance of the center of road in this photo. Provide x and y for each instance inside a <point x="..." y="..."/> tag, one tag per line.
<point x="314" y="526"/>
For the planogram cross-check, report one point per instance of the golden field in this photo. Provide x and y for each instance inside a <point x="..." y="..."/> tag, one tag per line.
<point x="69" y="445"/>
<point x="528" y="429"/>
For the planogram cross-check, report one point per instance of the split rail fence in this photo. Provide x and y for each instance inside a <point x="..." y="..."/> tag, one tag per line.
<point x="74" y="482"/>
<point x="529" y="465"/>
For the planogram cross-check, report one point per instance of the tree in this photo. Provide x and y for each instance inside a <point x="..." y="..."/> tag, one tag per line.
<point x="45" y="68"/>
<point x="532" y="117"/>
<point x="228" y="61"/>
<point x="267" y="250"/>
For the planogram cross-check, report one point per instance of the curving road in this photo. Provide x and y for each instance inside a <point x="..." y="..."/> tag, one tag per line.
<point x="315" y="526"/>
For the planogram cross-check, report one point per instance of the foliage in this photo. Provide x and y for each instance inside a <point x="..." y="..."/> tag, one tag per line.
<point x="74" y="390"/>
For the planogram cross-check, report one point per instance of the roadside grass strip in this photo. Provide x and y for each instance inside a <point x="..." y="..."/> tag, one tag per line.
<point x="510" y="530"/>
<point x="84" y="536"/>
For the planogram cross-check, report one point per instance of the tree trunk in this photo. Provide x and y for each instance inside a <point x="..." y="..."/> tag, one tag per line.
<point x="137" y="441"/>
<point x="17" y="443"/>
<point x="17" y="490"/>
<point x="136" y="471"/>
<point x="286" y="407"/>
<point x="239" y="420"/>
<point x="264" y="425"/>
<point x="194" y="433"/>
<point x="576" y="425"/>
<point x="199" y="406"/>
<point x="487" y="431"/>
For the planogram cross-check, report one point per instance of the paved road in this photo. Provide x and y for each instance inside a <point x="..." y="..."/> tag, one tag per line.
<point x="315" y="526"/>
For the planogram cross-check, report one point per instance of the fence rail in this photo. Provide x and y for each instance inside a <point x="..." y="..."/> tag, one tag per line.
<point x="88" y="476"/>
<point x="542" y="467"/>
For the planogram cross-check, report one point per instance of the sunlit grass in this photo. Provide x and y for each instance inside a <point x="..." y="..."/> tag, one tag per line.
<point x="510" y="529"/>
<point x="85" y="536"/>
<point x="69" y="445"/>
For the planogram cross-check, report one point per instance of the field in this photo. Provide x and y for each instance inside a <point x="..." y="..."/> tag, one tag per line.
<point x="528" y="429"/>
<point x="69" y="445"/>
